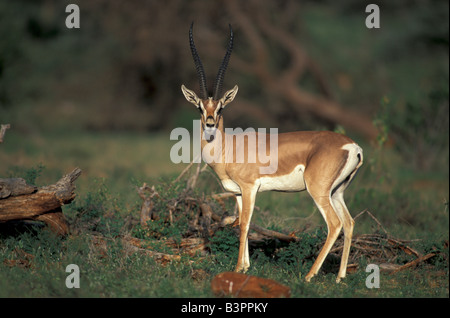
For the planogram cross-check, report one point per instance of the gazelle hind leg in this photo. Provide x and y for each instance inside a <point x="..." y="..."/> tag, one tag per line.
<point x="354" y="161"/>
<point x="348" y="224"/>
<point x="334" y="226"/>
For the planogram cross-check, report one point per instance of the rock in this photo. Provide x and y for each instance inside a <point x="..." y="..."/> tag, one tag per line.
<point x="246" y="286"/>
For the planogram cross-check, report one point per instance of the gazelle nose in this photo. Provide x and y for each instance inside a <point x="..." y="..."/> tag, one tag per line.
<point x="210" y="122"/>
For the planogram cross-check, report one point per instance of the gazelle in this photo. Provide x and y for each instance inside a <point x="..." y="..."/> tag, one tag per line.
<point x="320" y="162"/>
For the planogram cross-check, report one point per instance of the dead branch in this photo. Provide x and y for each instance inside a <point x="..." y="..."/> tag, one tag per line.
<point x="373" y="217"/>
<point x="224" y="195"/>
<point x="134" y="245"/>
<point x="147" y="206"/>
<point x="273" y="234"/>
<point x="379" y="247"/>
<point x="42" y="205"/>
<point x="408" y="250"/>
<point x="185" y="170"/>
<point x="414" y="263"/>
<point x="14" y="187"/>
<point x="3" y="129"/>
<point x="260" y="31"/>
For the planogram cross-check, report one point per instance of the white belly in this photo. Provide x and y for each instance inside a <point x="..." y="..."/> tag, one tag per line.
<point x="289" y="182"/>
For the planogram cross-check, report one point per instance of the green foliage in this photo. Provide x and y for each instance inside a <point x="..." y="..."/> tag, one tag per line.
<point x="29" y="174"/>
<point x="299" y="256"/>
<point x="97" y="211"/>
<point x="226" y="242"/>
<point x="438" y="246"/>
<point x="419" y="129"/>
<point x="162" y="229"/>
<point x="381" y="123"/>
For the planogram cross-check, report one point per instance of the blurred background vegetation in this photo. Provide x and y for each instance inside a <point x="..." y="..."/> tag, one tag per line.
<point x="299" y="65"/>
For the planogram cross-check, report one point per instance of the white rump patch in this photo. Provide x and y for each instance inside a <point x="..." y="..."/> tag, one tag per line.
<point x="352" y="162"/>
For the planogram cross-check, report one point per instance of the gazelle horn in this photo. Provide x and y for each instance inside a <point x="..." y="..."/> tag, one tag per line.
<point x="198" y="66"/>
<point x="223" y="67"/>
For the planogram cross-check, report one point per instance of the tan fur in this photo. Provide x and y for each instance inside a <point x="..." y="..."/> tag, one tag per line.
<point x="321" y="162"/>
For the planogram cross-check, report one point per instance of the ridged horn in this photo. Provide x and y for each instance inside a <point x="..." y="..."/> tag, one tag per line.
<point x="198" y="66"/>
<point x="223" y="67"/>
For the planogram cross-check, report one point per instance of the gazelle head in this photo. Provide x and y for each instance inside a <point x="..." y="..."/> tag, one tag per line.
<point x="210" y="107"/>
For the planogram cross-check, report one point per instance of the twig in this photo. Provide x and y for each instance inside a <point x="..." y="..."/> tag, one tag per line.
<point x="414" y="263"/>
<point x="3" y="131"/>
<point x="224" y="195"/>
<point x="147" y="205"/>
<point x="274" y="234"/>
<point x="185" y="170"/>
<point x="192" y="181"/>
<point x="373" y="217"/>
<point x="403" y="247"/>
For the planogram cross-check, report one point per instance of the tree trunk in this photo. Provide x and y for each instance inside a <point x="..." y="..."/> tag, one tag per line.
<point x="19" y="201"/>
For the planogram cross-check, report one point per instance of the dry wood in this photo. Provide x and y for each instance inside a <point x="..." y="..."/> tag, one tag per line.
<point x="43" y="205"/>
<point x="206" y="218"/>
<point x="373" y="217"/>
<point x="260" y="33"/>
<point x="414" y="262"/>
<point x="379" y="247"/>
<point x="3" y="129"/>
<point x="147" y="205"/>
<point x="133" y="245"/>
<point x="224" y="195"/>
<point x="56" y="221"/>
<point x="185" y="170"/>
<point x="14" y="187"/>
<point x="408" y="250"/>
<point x="190" y="245"/>
<point x="273" y="234"/>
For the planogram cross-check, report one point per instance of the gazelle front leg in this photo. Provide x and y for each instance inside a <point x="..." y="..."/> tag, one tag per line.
<point x="246" y="203"/>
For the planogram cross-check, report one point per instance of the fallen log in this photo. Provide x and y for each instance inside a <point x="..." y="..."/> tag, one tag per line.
<point x="14" y="187"/>
<point x="24" y="202"/>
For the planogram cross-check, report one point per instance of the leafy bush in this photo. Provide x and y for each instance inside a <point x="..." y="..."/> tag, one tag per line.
<point x="96" y="211"/>
<point x="225" y="245"/>
<point x="29" y="174"/>
<point x="420" y="128"/>
<point x="299" y="256"/>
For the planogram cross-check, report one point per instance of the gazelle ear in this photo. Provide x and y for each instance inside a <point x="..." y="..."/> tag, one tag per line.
<point x="190" y="96"/>
<point x="229" y="96"/>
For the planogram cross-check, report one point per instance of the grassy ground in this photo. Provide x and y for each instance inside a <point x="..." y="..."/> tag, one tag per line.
<point x="409" y="204"/>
